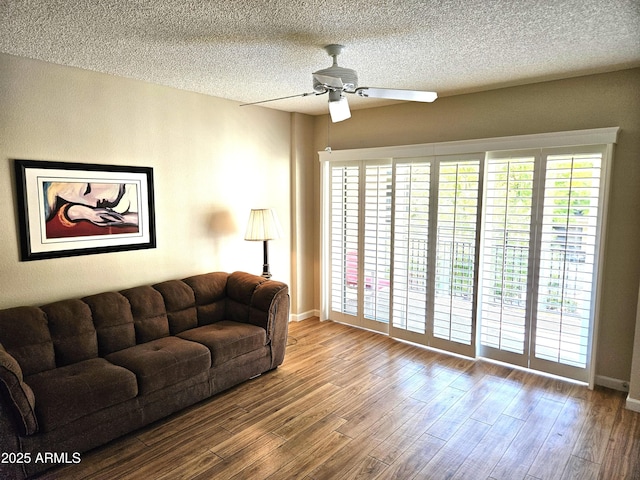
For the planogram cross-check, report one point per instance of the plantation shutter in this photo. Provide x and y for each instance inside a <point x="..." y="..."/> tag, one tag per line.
<point x="412" y="190"/>
<point x="344" y="219"/>
<point x="360" y="248"/>
<point x="508" y="216"/>
<point x="377" y="243"/>
<point x="455" y="265"/>
<point x="539" y="259"/>
<point x="566" y="280"/>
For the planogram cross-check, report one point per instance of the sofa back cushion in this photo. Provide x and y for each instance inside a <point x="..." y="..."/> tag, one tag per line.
<point x="210" y="290"/>
<point x="25" y="336"/>
<point x="180" y="303"/>
<point x="149" y="313"/>
<point x="113" y="321"/>
<point x="71" y="326"/>
<point x="240" y="288"/>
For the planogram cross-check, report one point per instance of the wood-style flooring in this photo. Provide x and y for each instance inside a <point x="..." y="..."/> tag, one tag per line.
<point x="349" y="403"/>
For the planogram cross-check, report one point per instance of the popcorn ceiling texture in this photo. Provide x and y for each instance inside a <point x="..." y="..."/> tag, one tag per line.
<point x="254" y="50"/>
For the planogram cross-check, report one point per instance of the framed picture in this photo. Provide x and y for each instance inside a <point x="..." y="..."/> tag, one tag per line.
<point x="69" y="209"/>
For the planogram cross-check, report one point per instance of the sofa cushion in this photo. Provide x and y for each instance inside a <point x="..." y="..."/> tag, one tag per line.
<point x="240" y="288"/>
<point x="67" y="393"/>
<point x="113" y="321"/>
<point x="180" y="302"/>
<point x="227" y="339"/>
<point x="25" y="334"/>
<point x="163" y="362"/>
<point x="210" y="290"/>
<point x="72" y="330"/>
<point x="19" y="395"/>
<point x="149" y="313"/>
<point x="208" y="287"/>
<point x="241" y="285"/>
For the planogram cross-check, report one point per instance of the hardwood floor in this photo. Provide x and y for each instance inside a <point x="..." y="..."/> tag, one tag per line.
<point x="348" y="403"/>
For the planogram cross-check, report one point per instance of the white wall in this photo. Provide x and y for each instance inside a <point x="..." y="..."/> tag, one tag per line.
<point x="213" y="161"/>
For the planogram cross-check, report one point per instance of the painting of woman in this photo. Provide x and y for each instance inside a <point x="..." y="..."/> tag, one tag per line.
<point x="78" y="209"/>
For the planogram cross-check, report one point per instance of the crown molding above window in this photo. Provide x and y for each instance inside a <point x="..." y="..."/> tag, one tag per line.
<point x="594" y="136"/>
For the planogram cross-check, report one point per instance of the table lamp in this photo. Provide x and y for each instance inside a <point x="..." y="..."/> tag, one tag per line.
<point x="263" y="226"/>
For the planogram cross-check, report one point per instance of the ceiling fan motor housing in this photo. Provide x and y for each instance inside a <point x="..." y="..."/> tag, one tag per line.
<point x="348" y="76"/>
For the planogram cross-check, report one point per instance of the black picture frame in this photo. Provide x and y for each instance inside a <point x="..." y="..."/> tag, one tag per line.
<point x="68" y="209"/>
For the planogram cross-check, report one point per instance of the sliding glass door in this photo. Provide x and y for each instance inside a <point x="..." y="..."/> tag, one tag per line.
<point x="491" y="254"/>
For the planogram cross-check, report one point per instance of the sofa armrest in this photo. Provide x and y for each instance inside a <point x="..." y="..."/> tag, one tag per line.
<point x="264" y="303"/>
<point x="10" y="429"/>
<point x="16" y="394"/>
<point x="270" y="309"/>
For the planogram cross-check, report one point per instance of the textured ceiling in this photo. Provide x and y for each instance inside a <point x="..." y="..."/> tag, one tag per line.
<point x="254" y="50"/>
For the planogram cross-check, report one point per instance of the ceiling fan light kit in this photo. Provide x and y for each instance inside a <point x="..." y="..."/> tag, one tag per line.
<point x="336" y="81"/>
<point x="339" y="109"/>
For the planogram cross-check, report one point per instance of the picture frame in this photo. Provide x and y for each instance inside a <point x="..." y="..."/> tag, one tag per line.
<point x="68" y="209"/>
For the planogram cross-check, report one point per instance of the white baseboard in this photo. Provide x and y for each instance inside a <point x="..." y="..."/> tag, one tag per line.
<point x="633" y="404"/>
<point x="304" y="315"/>
<point x="613" y="383"/>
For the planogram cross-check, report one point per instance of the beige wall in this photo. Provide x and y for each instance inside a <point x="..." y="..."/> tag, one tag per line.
<point x="213" y="161"/>
<point x="605" y="100"/>
<point x="633" y="400"/>
<point x="303" y="221"/>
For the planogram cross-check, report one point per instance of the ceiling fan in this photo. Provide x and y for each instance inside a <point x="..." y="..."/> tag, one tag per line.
<point x="336" y="81"/>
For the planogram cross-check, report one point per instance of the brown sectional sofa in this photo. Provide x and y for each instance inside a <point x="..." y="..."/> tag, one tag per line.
<point x="78" y="373"/>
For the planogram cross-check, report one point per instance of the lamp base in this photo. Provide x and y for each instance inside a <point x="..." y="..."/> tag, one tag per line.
<point x="265" y="266"/>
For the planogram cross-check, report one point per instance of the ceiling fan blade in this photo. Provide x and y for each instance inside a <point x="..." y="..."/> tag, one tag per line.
<point x="339" y="110"/>
<point x="282" y="98"/>
<point x="332" y="82"/>
<point x="395" y="94"/>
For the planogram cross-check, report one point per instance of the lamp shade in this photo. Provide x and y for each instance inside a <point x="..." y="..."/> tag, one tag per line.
<point x="263" y="225"/>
